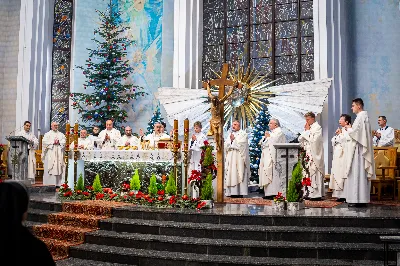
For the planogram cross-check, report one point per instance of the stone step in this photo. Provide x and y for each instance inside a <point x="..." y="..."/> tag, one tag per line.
<point x="45" y="205"/>
<point x="61" y="232"/>
<point x="248" y="232"/>
<point x="58" y="249"/>
<point x="326" y="219"/>
<point x="81" y="262"/>
<point x="144" y="257"/>
<point x="77" y="220"/>
<point x="38" y="215"/>
<point x="212" y="246"/>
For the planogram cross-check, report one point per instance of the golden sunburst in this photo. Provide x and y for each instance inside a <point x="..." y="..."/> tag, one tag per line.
<point x="244" y="104"/>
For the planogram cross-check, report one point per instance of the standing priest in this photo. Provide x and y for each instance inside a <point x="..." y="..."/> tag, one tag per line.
<point x="312" y="142"/>
<point x="270" y="182"/>
<point x="53" y="156"/>
<point x="360" y="165"/>
<point x="108" y="137"/>
<point x="33" y="144"/>
<point x="237" y="162"/>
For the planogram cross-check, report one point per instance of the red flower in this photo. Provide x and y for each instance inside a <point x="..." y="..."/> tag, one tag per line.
<point x="89" y="188"/>
<point x="161" y="192"/>
<point x="68" y="194"/>
<point x="149" y="200"/>
<point x="65" y="185"/>
<point x="200" y="205"/>
<point x="78" y="192"/>
<point x="131" y="194"/>
<point x="206" y="143"/>
<point x="126" y="186"/>
<point x="306" y="181"/>
<point x="172" y="200"/>
<point x="160" y="198"/>
<point x="185" y="197"/>
<point x="99" y="196"/>
<point x="113" y="196"/>
<point x="107" y="190"/>
<point x="86" y="194"/>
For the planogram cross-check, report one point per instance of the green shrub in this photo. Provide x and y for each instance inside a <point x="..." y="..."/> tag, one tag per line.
<point x="152" y="190"/>
<point x="97" y="185"/>
<point x="170" y="189"/>
<point x="135" y="181"/>
<point x="207" y="190"/>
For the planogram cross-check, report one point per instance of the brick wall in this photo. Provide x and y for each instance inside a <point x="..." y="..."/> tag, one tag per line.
<point x="9" y="37"/>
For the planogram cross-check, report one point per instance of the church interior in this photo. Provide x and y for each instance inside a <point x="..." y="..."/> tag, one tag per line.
<point x="200" y="132"/>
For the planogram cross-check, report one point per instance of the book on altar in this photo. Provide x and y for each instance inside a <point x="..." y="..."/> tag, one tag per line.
<point x="167" y="144"/>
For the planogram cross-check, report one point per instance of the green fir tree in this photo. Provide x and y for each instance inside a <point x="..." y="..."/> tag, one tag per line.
<point x="207" y="190"/>
<point x="170" y="189"/>
<point x="152" y="190"/>
<point x="80" y="185"/>
<point x="155" y="118"/>
<point x="294" y="192"/>
<point x="135" y="181"/>
<point x="106" y="71"/>
<point x="97" y="184"/>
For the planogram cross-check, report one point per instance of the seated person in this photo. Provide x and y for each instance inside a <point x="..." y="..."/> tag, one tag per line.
<point x="128" y="139"/>
<point x="154" y="137"/>
<point x="384" y="136"/>
<point x="84" y="142"/>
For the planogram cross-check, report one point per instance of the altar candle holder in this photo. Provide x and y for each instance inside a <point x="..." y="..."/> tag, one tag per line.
<point x="66" y="152"/>
<point x="76" y="126"/>
<point x="186" y="152"/>
<point x="175" y="151"/>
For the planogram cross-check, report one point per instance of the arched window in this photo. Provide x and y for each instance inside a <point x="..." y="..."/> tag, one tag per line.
<point x="60" y="84"/>
<point x="275" y="36"/>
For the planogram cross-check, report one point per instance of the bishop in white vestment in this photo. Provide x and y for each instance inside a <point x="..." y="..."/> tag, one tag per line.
<point x="53" y="156"/>
<point x="270" y="182"/>
<point x="108" y="137"/>
<point x="338" y="176"/>
<point x="312" y="142"/>
<point x="360" y="165"/>
<point x="84" y="142"/>
<point x="33" y="145"/>
<point x="128" y="139"/>
<point x="384" y="136"/>
<point x="195" y="145"/>
<point x="237" y="162"/>
<point x="156" y="136"/>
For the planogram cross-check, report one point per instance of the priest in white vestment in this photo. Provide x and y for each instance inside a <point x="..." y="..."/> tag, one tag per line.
<point x="95" y="137"/>
<point x="237" y="162"/>
<point x="312" y="142"/>
<point x="384" y="136"/>
<point x="156" y="136"/>
<point x="108" y="137"/>
<point x="53" y="144"/>
<point x="270" y="182"/>
<point x="195" y="145"/>
<point x="337" y="181"/>
<point x="84" y="142"/>
<point x="128" y="139"/>
<point x="33" y="145"/>
<point x="360" y="165"/>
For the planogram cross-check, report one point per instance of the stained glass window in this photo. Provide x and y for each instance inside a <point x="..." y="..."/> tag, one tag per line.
<point x="60" y="84"/>
<point x="275" y="36"/>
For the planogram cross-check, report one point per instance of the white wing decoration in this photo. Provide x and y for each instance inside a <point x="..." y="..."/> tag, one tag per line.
<point x="289" y="104"/>
<point x="185" y="103"/>
<point x="292" y="101"/>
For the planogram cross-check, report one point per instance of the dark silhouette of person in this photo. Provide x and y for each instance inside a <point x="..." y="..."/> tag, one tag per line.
<point x="18" y="245"/>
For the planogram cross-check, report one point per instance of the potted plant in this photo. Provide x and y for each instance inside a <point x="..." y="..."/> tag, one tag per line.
<point x="152" y="189"/>
<point x="279" y="202"/>
<point x="295" y="190"/>
<point x="207" y="191"/>
<point x="170" y="189"/>
<point x="135" y="182"/>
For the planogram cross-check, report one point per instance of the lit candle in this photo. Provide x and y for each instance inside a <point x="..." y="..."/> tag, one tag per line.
<point x="186" y="135"/>
<point x="67" y="132"/>
<point x="76" y="136"/>
<point x="175" y="135"/>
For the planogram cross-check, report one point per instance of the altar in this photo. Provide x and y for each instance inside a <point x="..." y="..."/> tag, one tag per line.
<point x="117" y="166"/>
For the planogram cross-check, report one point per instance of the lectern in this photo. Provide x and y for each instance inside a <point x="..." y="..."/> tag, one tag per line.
<point x="287" y="155"/>
<point x="18" y="159"/>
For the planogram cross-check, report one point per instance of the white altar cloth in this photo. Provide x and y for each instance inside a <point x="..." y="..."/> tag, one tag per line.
<point x="163" y="155"/>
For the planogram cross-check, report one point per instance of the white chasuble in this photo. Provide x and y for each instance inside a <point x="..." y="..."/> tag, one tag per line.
<point x="53" y="158"/>
<point x="34" y="143"/>
<point x="338" y="172"/>
<point x="237" y="164"/>
<point x="131" y="141"/>
<point x="154" y="138"/>
<point x="360" y="165"/>
<point x="111" y="143"/>
<point x="195" y="151"/>
<point x="83" y="144"/>
<point x="268" y="180"/>
<point x="312" y="142"/>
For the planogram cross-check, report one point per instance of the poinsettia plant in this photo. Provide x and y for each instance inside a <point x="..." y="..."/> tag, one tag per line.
<point x="279" y="197"/>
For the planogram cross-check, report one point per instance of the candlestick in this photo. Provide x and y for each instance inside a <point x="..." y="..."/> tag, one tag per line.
<point x="76" y="136"/>
<point x="67" y="133"/>
<point x="175" y="135"/>
<point x="186" y="135"/>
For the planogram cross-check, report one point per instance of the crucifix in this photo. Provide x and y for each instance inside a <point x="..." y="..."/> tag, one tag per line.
<point x="217" y="121"/>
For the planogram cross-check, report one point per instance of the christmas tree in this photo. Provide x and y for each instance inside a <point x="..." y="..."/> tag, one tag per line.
<point x="106" y="71"/>
<point x="155" y="118"/>
<point x="260" y="126"/>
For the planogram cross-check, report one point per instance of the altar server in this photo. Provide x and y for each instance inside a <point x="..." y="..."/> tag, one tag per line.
<point x="237" y="162"/>
<point x="128" y="139"/>
<point x="108" y="137"/>
<point x="195" y="145"/>
<point x="268" y="180"/>
<point x="384" y="136"/>
<point x="360" y="165"/>
<point x="84" y="142"/>
<point x="312" y="142"/>
<point x="154" y="137"/>
<point x="33" y="145"/>
<point x="337" y="181"/>
<point x="95" y="136"/>
<point x="53" y="156"/>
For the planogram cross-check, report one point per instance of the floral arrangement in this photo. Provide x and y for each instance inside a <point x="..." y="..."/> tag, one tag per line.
<point x="207" y="160"/>
<point x="125" y="194"/>
<point x="279" y="197"/>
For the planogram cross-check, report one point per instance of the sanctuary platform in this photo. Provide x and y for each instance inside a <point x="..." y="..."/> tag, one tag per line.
<point x="112" y="233"/>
